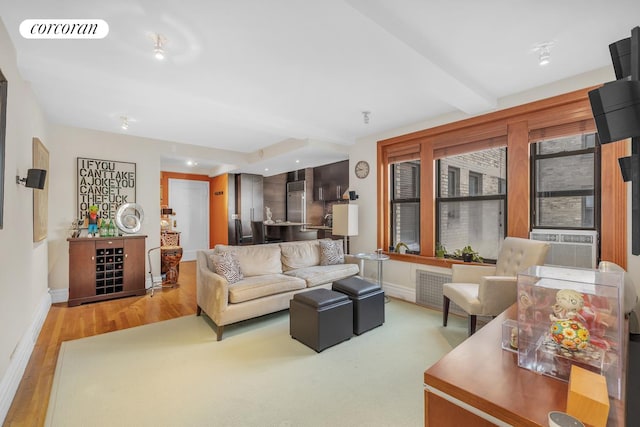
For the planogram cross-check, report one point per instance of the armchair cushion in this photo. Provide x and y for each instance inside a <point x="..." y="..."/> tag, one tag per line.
<point x="463" y="294"/>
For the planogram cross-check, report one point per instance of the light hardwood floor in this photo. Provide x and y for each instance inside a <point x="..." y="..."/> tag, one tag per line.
<point x="29" y="407"/>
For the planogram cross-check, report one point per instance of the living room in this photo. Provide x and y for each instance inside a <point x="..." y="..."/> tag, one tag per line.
<point x="35" y="274"/>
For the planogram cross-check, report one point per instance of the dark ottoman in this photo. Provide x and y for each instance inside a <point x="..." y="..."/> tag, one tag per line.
<point x="368" y="302"/>
<point x="320" y="318"/>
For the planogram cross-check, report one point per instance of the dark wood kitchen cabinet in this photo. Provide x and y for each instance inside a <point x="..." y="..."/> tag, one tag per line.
<point x="105" y="267"/>
<point x="330" y="181"/>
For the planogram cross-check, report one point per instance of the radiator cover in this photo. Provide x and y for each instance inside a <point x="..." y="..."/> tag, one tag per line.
<point x="429" y="291"/>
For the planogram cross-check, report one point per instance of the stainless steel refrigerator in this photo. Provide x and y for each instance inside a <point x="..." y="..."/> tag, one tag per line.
<point x="296" y="202"/>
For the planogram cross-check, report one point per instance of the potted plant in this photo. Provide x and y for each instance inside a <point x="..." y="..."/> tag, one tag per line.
<point x="467" y="254"/>
<point x="441" y="251"/>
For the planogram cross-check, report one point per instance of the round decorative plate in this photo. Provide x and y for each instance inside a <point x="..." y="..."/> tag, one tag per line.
<point x="129" y="217"/>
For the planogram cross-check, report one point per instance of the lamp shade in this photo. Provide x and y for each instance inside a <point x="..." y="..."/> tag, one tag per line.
<point x="345" y="220"/>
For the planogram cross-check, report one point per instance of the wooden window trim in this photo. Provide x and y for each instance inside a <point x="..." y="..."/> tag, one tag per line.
<point x="550" y="117"/>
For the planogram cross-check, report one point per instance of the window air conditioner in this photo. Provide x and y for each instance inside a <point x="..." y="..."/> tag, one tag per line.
<point x="569" y="248"/>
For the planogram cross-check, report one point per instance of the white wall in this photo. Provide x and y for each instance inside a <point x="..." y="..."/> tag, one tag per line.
<point x="69" y="143"/>
<point x="24" y="299"/>
<point x="400" y="275"/>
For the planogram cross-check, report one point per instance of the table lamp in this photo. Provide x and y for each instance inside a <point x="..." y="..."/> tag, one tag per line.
<point x="345" y="222"/>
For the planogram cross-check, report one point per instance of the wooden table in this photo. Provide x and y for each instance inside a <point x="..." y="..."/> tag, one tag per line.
<point x="479" y="384"/>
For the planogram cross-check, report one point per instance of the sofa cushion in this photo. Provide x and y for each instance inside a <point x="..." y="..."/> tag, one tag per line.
<point x="299" y="254"/>
<point x="226" y="264"/>
<point x="261" y="286"/>
<point x="256" y="260"/>
<point x="318" y="275"/>
<point x="331" y="252"/>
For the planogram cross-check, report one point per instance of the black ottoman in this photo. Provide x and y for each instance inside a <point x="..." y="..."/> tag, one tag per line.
<point x="320" y="318"/>
<point x="368" y="302"/>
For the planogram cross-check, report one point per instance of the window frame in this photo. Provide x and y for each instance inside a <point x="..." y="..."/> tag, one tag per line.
<point x="514" y="127"/>
<point x="483" y="197"/>
<point x="597" y="189"/>
<point x="393" y="201"/>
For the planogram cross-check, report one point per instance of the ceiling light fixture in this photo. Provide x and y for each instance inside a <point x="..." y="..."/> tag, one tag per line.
<point x="365" y="116"/>
<point x="191" y="163"/>
<point x="158" y="50"/>
<point x="125" y="123"/>
<point x="544" y="53"/>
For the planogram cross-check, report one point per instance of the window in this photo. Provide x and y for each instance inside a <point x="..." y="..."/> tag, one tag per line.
<point x="565" y="182"/>
<point x="473" y="212"/>
<point x="475" y="184"/>
<point x="444" y="212"/>
<point x="453" y="185"/>
<point x="405" y="204"/>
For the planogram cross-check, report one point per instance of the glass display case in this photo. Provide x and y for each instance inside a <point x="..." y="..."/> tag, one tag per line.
<point x="572" y="316"/>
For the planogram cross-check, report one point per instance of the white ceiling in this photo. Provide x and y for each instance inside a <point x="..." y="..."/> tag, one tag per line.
<point x="286" y="80"/>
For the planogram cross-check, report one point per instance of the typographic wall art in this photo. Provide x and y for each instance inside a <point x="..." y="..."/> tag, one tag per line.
<point x="106" y="184"/>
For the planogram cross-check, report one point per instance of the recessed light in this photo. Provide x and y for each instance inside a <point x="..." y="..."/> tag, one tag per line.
<point x="191" y="163"/>
<point x="266" y="169"/>
<point x="158" y="49"/>
<point x="297" y="161"/>
<point x="544" y="53"/>
<point x="125" y="123"/>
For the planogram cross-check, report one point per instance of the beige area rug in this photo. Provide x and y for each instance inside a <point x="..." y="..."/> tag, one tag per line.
<point x="175" y="373"/>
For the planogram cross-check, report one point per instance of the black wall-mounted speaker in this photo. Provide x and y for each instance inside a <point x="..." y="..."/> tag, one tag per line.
<point x="621" y="57"/>
<point x="36" y="178"/>
<point x="616" y="110"/>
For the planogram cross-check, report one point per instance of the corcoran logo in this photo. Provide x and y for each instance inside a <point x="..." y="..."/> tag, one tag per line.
<point x="64" y="29"/>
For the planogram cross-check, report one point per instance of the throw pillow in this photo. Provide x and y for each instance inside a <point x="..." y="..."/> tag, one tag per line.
<point x="331" y="252"/>
<point x="226" y="264"/>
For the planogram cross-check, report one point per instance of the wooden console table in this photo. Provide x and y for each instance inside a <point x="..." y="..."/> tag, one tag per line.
<point x="479" y="384"/>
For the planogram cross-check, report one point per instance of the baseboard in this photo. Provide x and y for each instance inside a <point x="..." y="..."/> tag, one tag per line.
<point x="59" y="295"/>
<point x="399" y="292"/>
<point x="20" y="358"/>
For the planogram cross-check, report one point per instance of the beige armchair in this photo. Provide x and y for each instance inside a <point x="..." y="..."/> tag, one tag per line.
<point x="487" y="290"/>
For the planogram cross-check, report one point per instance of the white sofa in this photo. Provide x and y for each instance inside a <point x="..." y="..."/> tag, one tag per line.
<point x="273" y="273"/>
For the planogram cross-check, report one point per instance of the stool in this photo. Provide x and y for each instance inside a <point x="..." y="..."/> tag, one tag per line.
<point x="320" y="318"/>
<point x="170" y="257"/>
<point x="368" y="302"/>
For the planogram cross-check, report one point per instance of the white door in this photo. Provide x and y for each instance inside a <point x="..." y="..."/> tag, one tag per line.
<point x="190" y="202"/>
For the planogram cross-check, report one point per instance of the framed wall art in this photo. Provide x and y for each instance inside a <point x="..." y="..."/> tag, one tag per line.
<point x="107" y="184"/>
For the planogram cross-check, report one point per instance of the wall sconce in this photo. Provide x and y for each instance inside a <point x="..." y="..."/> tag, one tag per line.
<point x="35" y="179"/>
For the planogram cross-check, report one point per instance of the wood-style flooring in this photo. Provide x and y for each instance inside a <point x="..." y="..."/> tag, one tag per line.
<point x="29" y="407"/>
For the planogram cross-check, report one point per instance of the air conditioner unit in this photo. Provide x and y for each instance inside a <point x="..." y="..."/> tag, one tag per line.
<point x="569" y="248"/>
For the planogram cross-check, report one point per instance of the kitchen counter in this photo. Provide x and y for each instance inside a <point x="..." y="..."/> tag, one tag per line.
<point x="318" y="227"/>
